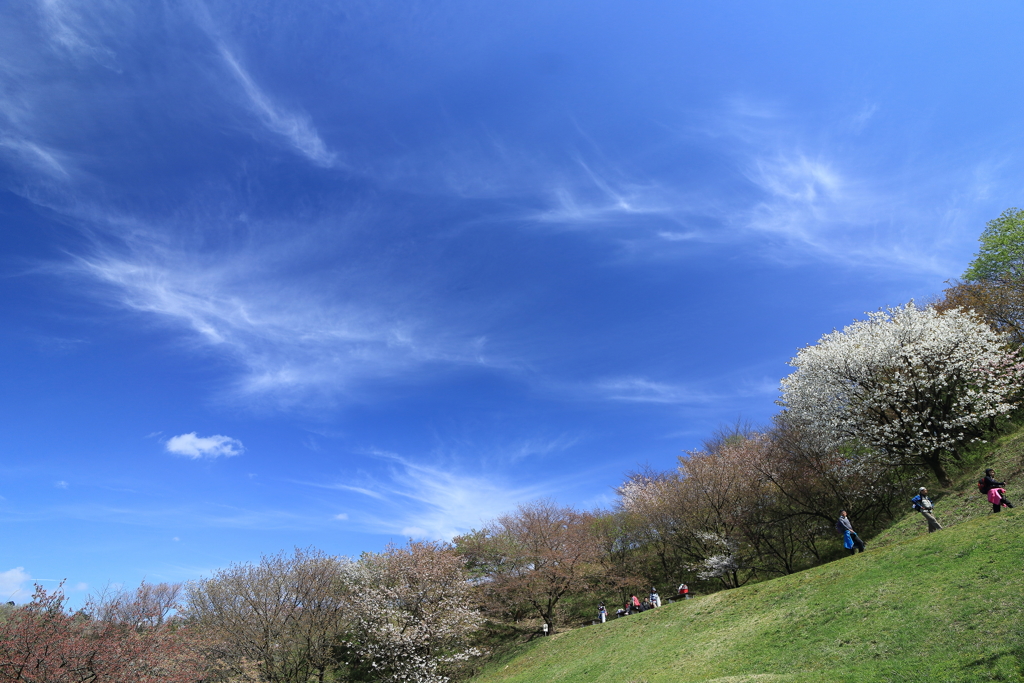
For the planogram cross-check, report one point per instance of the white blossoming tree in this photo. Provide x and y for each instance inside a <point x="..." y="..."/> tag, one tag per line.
<point x="914" y="384"/>
<point x="414" y="614"/>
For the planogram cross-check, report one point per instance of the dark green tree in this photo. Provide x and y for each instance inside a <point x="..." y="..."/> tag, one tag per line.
<point x="1001" y="256"/>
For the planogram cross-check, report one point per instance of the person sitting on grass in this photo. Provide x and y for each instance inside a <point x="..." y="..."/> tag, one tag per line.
<point x="634" y="604"/>
<point x="851" y="541"/>
<point x="995" y="491"/>
<point x="923" y="505"/>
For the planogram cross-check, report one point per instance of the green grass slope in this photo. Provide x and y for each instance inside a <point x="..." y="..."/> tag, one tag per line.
<point x="937" y="608"/>
<point x="963" y="502"/>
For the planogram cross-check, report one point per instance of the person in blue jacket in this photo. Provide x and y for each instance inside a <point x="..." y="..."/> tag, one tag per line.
<point x="923" y="505"/>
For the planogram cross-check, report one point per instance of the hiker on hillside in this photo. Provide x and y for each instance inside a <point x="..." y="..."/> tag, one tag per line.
<point x="602" y="613"/>
<point x="634" y="604"/>
<point x="851" y="541"/>
<point x="655" y="598"/>
<point x="684" y="590"/>
<point x="923" y="505"/>
<point x="994" y="490"/>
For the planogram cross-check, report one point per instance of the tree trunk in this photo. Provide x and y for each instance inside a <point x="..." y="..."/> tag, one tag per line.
<point x="935" y="462"/>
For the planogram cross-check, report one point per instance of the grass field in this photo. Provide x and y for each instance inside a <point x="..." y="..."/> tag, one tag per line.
<point x="935" y="608"/>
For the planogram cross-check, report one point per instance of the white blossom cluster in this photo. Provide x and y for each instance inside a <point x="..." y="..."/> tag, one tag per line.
<point x="907" y="381"/>
<point x="639" y="492"/>
<point x="414" y="618"/>
<point x="719" y="564"/>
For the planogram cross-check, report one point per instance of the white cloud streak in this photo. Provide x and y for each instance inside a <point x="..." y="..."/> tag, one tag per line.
<point x="822" y="213"/>
<point x="70" y="31"/>
<point x="296" y="128"/>
<point x="40" y="158"/>
<point x="596" y="199"/>
<point x="196" y="447"/>
<point x="424" y="501"/>
<point x="298" y="339"/>
<point x="827" y="200"/>
<point x="643" y="390"/>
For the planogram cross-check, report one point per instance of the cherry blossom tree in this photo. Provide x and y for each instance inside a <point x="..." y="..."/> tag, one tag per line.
<point x="913" y="384"/>
<point x="414" y="616"/>
<point x="43" y="642"/>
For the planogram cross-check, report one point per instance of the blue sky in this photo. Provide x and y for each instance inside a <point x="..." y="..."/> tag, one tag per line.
<point x="334" y="274"/>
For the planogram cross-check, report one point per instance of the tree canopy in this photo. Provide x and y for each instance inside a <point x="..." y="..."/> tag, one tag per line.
<point x="913" y="384"/>
<point x="1001" y="256"/>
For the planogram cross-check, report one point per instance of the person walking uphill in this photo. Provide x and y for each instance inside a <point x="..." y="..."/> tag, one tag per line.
<point x="923" y="505"/>
<point x="994" y="490"/>
<point x="851" y="541"/>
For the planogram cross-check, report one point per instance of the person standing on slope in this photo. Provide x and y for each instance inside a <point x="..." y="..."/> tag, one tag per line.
<point x="995" y="491"/>
<point x="655" y="598"/>
<point x="923" y="505"/>
<point x="602" y="613"/>
<point x="851" y="541"/>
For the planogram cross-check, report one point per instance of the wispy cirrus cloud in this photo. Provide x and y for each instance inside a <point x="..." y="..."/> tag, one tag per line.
<point x="37" y="156"/>
<point x="599" y="198"/>
<point x="805" y="191"/>
<point x="820" y="191"/>
<point x="634" y="389"/>
<point x="298" y="337"/>
<point x="79" y="29"/>
<point x="429" y="501"/>
<point x="826" y="213"/>
<point x="294" y="127"/>
<point x="643" y="390"/>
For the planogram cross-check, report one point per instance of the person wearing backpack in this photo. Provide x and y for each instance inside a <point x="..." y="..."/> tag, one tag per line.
<point x="994" y="490"/>
<point x="851" y="541"/>
<point x="923" y="505"/>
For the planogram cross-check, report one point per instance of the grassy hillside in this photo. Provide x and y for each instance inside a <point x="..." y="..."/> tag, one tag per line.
<point x="963" y="502"/>
<point x="935" y="608"/>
